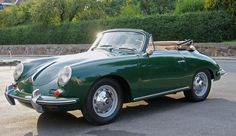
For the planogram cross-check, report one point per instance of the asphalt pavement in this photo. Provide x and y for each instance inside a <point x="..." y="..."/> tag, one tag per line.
<point x="165" y="116"/>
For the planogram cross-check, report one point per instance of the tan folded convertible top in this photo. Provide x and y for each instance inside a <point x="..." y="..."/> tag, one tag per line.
<point x="179" y="45"/>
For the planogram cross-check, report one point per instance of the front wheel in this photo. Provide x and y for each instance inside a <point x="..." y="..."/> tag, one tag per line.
<point x="201" y="87"/>
<point x="104" y="102"/>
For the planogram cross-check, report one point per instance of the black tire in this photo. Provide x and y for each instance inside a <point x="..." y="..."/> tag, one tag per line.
<point x="191" y="94"/>
<point x="88" y="110"/>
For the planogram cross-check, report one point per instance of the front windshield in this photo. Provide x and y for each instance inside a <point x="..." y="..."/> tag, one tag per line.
<point x="132" y="41"/>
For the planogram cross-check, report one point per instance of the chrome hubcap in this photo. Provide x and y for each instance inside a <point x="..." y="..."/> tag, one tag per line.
<point x="105" y="101"/>
<point x="200" y="84"/>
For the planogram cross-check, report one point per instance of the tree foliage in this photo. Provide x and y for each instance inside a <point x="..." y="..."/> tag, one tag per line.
<point x="15" y="16"/>
<point x="183" y="6"/>
<point x="59" y="11"/>
<point x="91" y="10"/>
<point x="150" y="7"/>
<point x="62" y="11"/>
<point x="56" y="11"/>
<point x="227" y="5"/>
<point x="113" y="7"/>
<point x="130" y="8"/>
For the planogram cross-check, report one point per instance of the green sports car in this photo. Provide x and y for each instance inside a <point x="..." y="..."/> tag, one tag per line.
<point x="122" y="65"/>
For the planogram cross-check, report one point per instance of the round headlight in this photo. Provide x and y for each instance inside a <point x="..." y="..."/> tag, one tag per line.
<point x="64" y="76"/>
<point x="18" y="71"/>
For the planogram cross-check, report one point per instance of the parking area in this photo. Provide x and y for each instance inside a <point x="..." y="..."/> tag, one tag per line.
<point x="165" y="116"/>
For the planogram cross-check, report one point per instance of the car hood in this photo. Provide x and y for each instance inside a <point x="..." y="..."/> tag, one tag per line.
<point x="48" y="70"/>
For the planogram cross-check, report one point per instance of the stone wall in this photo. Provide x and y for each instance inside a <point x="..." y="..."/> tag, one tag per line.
<point x="44" y="49"/>
<point x="216" y="49"/>
<point x="210" y="49"/>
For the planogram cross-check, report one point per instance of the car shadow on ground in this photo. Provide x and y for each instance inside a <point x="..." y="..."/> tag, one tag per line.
<point x="70" y="124"/>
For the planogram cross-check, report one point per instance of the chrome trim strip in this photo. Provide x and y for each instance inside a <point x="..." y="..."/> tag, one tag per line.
<point x="35" y="75"/>
<point x="162" y="93"/>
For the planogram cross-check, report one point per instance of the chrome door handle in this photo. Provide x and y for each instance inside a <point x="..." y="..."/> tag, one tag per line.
<point x="181" y="61"/>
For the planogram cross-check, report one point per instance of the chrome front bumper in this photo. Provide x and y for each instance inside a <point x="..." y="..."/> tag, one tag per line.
<point x="36" y="100"/>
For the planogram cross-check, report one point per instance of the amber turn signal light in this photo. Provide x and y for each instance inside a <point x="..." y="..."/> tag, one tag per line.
<point x="57" y="92"/>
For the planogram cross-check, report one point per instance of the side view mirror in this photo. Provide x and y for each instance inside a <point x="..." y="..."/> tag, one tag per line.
<point x="148" y="53"/>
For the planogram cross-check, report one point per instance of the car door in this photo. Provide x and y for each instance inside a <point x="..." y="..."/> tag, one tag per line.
<point x="162" y="71"/>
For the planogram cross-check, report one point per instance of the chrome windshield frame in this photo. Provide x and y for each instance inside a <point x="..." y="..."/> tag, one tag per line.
<point x="99" y="37"/>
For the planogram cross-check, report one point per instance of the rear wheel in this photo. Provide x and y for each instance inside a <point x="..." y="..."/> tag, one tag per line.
<point x="201" y="87"/>
<point x="104" y="102"/>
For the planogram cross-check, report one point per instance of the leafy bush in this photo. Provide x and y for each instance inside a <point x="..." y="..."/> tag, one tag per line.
<point x="212" y="26"/>
<point x="183" y="6"/>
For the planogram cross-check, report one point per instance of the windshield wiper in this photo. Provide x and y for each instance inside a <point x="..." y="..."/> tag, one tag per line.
<point x="106" y="45"/>
<point x="125" y="48"/>
<point x="102" y="46"/>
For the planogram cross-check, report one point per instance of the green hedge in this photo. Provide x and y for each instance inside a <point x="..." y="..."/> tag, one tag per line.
<point x="201" y="27"/>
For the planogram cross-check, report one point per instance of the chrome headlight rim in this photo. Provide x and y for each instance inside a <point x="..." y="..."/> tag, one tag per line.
<point x="18" y="71"/>
<point x="64" y="76"/>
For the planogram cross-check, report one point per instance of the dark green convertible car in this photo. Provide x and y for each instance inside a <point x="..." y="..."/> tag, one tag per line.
<point x="122" y="65"/>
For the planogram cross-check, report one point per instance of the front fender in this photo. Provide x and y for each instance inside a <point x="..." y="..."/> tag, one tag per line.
<point x="85" y="75"/>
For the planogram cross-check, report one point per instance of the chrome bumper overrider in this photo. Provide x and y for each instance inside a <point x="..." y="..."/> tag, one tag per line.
<point x="221" y="72"/>
<point x="36" y="100"/>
